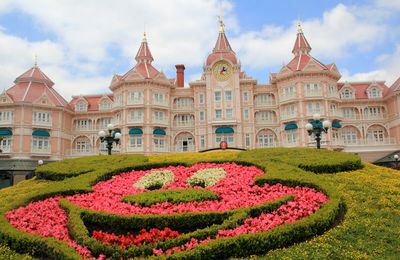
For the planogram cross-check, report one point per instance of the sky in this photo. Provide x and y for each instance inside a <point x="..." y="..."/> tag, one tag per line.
<point x="81" y="44"/>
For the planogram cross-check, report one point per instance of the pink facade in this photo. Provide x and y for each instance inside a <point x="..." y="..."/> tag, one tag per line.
<point x="156" y="114"/>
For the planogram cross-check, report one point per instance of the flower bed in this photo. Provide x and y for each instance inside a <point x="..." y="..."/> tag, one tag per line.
<point x="242" y="208"/>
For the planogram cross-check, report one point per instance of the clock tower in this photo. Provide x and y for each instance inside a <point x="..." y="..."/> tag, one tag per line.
<point x="221" y="94"/>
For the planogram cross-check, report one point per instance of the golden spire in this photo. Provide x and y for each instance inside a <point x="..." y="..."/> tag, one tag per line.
<point x="221" y="24"/>
<point x="35" y="64"/>
<point x="298" y="25"/>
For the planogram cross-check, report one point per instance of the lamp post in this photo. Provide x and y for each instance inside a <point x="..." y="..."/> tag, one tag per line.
<point x="109" y="138"/>
<point x="318" y="128"/>
<point x="396" y="161"/>
<point x="1" y="139"/>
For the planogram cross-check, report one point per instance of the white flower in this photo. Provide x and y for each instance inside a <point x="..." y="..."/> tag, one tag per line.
<point x="207" y="177"/>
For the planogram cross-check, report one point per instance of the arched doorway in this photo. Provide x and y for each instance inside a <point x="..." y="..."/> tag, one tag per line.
<point x="184" y="142"/>
<point x="266" y="138"/>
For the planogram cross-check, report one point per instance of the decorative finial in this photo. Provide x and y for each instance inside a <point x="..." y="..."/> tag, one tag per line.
<point x="221" y="24"/>
<point x="299" y="25"/>
<point x="144" y="37"/>
<point x="35" y="64"/>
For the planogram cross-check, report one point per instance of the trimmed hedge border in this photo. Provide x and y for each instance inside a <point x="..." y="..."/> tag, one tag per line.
<point x="59" y="181"/>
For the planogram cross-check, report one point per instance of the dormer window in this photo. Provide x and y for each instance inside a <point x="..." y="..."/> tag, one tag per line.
<point x="105" y="105"/>
<point x="374" y="93"/>
<point x="81" y="106"/>
<point x="347" y="94"/>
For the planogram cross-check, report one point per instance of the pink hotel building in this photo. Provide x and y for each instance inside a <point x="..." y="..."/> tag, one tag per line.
<point x="156" y="114"/>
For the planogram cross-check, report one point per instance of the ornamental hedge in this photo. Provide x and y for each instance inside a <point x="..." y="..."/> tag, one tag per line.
<point x="188" y="228"/>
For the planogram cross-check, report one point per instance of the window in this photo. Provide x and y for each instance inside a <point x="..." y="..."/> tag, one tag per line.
<point x="159" y="98"/>
<point x="291" y="136"/>
<point x="266" y="140"/>
<point x="228" y="137"/>
<point x="159" y="141"/>
<point x="41" y="117"/>
<point x="136" y="141"/>
<point x="83" y="124"/>
<point x="118" y="99"/>
<point x="229" y="113"/>
<point x="246" y="114"/>
<point x="184" y="120"/>
<point x="265" y="116"/>
<point x="375" y="93"/>
<point x="41" y="143"/>
<point x="183" y="103"/>
<point x="374" y="112"/>
<point x="245" y="96"/>
<point x="217" y="95"/>
<point x="104" y="122"/>
<point x="201" y="98"/>
<point x="82" y="145"/>
<point x="218" y="113"/>
<point x="135" y="97"/>
<point x="6" y="116"/>
<point x="202" y="117"/>
<point x="288" y="91"/>
<point x="313" y="107"/>
<point x="335" y="135"/>
<point x="332" y="89"/>
<point x="202" y="141"/>
<point x="346" y="94"/>
<point x="136" y="115"/>
<point x="5" y="144"/>
<point x="228" y="95"/>
<point x="247" y="138"/>
<point x="376" y="136"/>
<point x="264" y="99"/>
<point x="332" y="108"/>
<point x="81" y="106"/>
<point x="349" y="136"/>
<point x="290" y="111"/>
<point x="349" y="113"/>
<point x="159" y="116"/>
<point x="105" y="105"/>
<point x="312" y="89"/>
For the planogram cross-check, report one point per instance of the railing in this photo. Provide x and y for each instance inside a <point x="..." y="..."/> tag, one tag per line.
<point x="135" y="101"/>
<point x="375" y="117"/>
<point x="135" y="120"/>
<point x="336" y="114"/>
<point x="157" y="103"/>
<point x="84" y="128"/>
<point x="187" y="107"/>
<point x="6" y="122"/>
<point x="265" y="121"/>
<point x="116" y="104"/>
<point x="312" y="112"/>
<point x="363" y="142"/>
<point x="312" y="93"/>
<point x="162" y="122"/>
<point x="184" y="124"/>
<point x="350" y="117"/>
<point x="160" y="149"/>
<point x="189" y="148"/>
<point x="41" y="123"/>
<point x="288" y="116"/>
<point x="293" y="144"/>
<point x="5" y="149"/>
<point x="333" y="94"/>
<point x="269" y="145"/>
<point x="287" y="97"/>
<point x="134" y="149"/>
<point x="41" y="150"/>
<point x="266" y="103"/>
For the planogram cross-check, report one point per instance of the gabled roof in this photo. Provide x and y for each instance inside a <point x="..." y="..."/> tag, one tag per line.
<point x="361" y="88"/>
<point x="222" y="48"/>
<point x="301" y="44"/>
<point x="396" y="85"/>
<point x="93" y="101"/>
<point x="32" y="85"/>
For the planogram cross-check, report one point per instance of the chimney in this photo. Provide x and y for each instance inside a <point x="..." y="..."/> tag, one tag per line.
<point x="180" y="75"/>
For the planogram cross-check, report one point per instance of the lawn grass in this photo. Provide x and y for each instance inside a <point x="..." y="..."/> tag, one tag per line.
<point x="370" y="228"/>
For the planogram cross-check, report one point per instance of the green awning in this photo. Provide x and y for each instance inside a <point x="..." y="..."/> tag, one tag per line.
<point x="159" y="132"/>
<point x="135" y="131"/>
<point x="291" y="126"/>
<point x="40" y="133"/>
<point x="220" y="130"/>
<point x="5" y="132"/>
<point x="316" y="123"/>
<point x="336" y="124"/>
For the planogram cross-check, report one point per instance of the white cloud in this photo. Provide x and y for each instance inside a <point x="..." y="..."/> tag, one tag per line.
<point x="338" y="33"/>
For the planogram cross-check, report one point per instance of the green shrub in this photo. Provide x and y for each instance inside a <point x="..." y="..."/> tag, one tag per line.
<point x="174" y="196"/>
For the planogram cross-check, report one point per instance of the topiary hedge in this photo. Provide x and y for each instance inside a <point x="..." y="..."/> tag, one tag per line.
<point x="78" y="175"/>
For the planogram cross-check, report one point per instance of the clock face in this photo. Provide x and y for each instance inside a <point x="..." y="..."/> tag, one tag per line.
<point x="222" y="70"/>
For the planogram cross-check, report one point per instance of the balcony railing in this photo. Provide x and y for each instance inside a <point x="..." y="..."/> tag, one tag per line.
<point x="363" y="142"/>
<point x="312" y="93"/>
<point x="37" y="150"/>
<point x="336" y="113"/>
<point x="287" y="97"/>
<point x="135" y="101"/>
<point x="135" y="120"/>
<point x="333" y="95"/>
<point x="158" y="103"/>
<point x="41" y="123"/>
<point x="5" y="149"/>
<point x="264" y="103"/>
<point x="374" y="116"/>
<point x="160" y="149"/>
<point x="134" y="149"/>
<point x="265" y="121"/>
<point x="269" y="145"/>
<point x="161" y="122"/>
<point x="185" y="108"/>
<point x="288" y="116"/>
<point x="312" y="112"/>
<point x="184" y="124"/>
<point x="6" y="122"/>
<point x="79" y="129"/>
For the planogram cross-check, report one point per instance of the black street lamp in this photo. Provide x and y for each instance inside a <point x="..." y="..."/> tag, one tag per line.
<point x="396" y="161"/>
<point x="110" y="137"/>
<point x="317" y="127"/>
<point x="1" y="139"/>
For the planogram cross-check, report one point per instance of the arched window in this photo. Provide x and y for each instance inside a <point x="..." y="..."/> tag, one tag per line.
<point x="105" y="104"/>
<point x="81" y="106"/>
<point x="374" y="93"/>
<point x="82" y="145"/>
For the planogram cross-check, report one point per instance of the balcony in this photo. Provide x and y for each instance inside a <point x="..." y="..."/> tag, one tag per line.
<point x="365" y="142"/>
<point x="45" y="151"/>
<point x="312" y="112"/>
<point x="288" y="116"/>
<point x="265" y="121"/>
<point x="287" y="97"/>
<point x="161" y="104"/>
<point x="84" y="129"/>
<point x="133" y="102"/>
<point x="333" y="95"/>
<point x="135" y="120"/>
<point x="313" y="93"/>
<point x="160" y="149"/>
<point x="335" y="114"/>
<point x="48" y="124"/>
<point x="130" y="149"/>
<point x="375" y="117"/>
<point x="265" y="104"/>
<point x="116" y="104"/>
<point x="161" y="121"/>
<point x="8" y="121"/>
<point x="184" y="124"/>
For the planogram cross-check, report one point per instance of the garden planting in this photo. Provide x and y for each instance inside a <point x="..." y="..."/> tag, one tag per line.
<point x="205" y="206"/>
